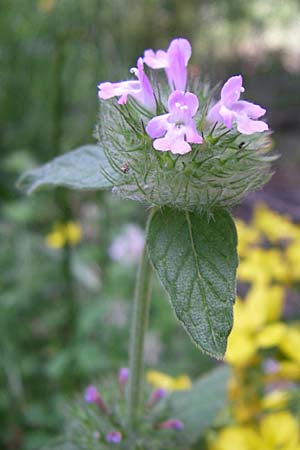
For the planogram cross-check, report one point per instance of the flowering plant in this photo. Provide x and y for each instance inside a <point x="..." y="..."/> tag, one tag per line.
<point x="172" y="147"/>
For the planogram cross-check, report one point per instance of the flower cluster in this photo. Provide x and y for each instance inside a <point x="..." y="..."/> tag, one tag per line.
<point x="263" y="348"/>
<point x="102" y="419"/>
<point x="176" y="130"/>
<point x="172" y="144"/>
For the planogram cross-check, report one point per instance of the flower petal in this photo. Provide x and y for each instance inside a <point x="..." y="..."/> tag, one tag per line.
<point x="157" y="126"/>
<point x="250" y="126"/>
<point x="250" y="109"/>
<point x="181" y="48"/>
<point x="192" y="135"/>
<point x="227" y="115"/>
<point x="214" y="113"/>
<point x="108" y="90"/>
<point x="145" y="95"/>
<point x="231" y="91"/>
<point x="180" y="146"/>
<point x="158" y="60"/>
<point x="162" y="144"/>
<point x="179" y="52"/>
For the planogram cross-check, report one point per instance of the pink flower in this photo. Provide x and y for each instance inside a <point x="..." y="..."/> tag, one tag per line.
<point x="231" y="109"/>
<point x="174" y="61"/>
<point x="175" y="130"/>
<point x="140" y="89"/>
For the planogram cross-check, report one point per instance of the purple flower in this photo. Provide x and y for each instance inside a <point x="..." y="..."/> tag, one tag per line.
<point x="231" y="109"/>
<point x="172" y="424"/>
<point x="123" y="377"/>
<point x="174" y="61"/>
<point x="113" y="437"/>
<point x="175" y="130"/>
<point x="140" y="89"/>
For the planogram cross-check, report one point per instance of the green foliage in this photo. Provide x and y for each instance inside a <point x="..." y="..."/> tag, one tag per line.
<point x="199" y="406"/>
<point x="196" y="261"/>
<point x="85" y="168"/>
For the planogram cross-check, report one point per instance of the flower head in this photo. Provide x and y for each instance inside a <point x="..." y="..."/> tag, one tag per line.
<point x="140" y="89"/>
<point x="175" y="130"/>
<point x="174" y="61"/>
<point x="231" y="109"/>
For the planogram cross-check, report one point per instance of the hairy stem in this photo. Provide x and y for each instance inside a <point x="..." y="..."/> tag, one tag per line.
<point x="137" y="338"/>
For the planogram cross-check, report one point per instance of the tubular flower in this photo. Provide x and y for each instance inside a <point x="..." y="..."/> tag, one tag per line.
<point x="140" y="89"/>
<point x="175" y="130"/>
<point x="231" y="109"/>
<point x="174" y="61"/>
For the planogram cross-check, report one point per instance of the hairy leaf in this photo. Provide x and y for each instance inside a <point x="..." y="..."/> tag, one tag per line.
<point x="85" y="168"/>
<point x="196" y="261"/>
<point x="198" y="407"/>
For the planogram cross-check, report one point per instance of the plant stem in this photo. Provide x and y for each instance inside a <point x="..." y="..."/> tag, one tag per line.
<point x="137" y="337"/>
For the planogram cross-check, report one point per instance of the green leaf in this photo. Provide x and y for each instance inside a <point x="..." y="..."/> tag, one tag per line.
<point x="196" y="261"/>
<point x="85" y="168"/>
<point x="199" y="406"/>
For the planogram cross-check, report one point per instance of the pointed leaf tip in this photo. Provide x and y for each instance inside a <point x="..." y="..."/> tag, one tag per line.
<point x="196" y="261"/>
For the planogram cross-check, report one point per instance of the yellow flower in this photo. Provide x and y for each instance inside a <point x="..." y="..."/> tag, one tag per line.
<point x="271" y="335"/>
<point x="162" y="380"/>
<point x="251" y="328"/>
<point x="279" y="430"/>
<point x="291" y="344"/>
<point x="236" y="438"/>
<point x="73" y="232"/>
<point x="262" y="266"/>
<point x="288" y="370"/>
<point x="56" y="238"/>
<point x="292" y="254"/>
<point x="247" y="236"/>
<point x="276" y="399"/>
<point x="62" y="234"/>
<point x="241" y="348"/>
<point x="274" y="226"/>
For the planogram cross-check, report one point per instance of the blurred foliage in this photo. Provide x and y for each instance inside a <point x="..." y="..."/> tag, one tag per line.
<point x="263" y="410"/>
<point x="64" y="312"/>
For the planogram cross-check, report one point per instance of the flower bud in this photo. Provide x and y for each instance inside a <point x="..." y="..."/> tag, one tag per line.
<point x="171" y="424"/>
<point x="156" y="395"/>
<point x="123" y="377"/>
<point x="92" y="396"/>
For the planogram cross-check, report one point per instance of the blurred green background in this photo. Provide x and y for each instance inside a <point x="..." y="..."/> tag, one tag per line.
<point x="64" y="312"/>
